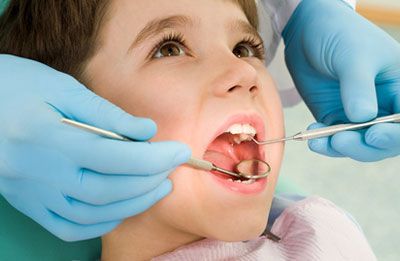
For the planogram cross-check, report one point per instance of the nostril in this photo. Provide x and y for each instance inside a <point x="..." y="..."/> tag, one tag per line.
<point x="253" y="89"/>
<point x="232" y="89"/>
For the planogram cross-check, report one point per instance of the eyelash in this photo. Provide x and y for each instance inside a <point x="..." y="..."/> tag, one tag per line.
<point x="256" y="45"/>
<point x="172" y="37"/>
<point x="253" y="42"/>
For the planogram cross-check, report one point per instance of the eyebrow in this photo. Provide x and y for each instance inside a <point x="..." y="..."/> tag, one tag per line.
<point x="244" y="27"/>
<point x="157" y="26"/>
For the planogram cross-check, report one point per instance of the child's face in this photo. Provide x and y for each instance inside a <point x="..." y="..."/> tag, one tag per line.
<point x="191" y="95"/>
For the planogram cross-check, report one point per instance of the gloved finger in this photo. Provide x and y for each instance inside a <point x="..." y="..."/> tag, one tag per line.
<point x="351" y="144"/>
<point x="70" y="231"/>
<point x="82" y="213"/>
<point x="357" y="87"/>
<point x="78" y="149"/>
<point x="322" y="145"/>
<point x="128" y="158"/>
<point x="83" y="105"/>
<point x="101" y="189"/>
<point x="31" y="197"/>
<point x="384" y="136"/>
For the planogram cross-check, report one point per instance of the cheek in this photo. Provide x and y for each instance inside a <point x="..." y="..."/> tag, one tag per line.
<point x="183" y="209"/>
<point x="160" y="95"/>
<point x="271" y="104"/>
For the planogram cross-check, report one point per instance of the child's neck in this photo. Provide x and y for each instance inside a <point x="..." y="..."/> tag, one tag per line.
<point x="142" y="238"/>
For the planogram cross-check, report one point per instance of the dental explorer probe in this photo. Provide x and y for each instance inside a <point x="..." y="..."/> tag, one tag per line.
<point x="330" y="130"/>
<point x="196" y="163"/>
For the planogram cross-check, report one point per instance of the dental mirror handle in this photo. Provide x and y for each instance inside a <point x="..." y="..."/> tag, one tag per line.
<point x="206" y="165"/>
<point x="330" y="130"/>
<point x="95" y="130"/>
<point x="196" y="163"/>
<point x="200" y="164"/>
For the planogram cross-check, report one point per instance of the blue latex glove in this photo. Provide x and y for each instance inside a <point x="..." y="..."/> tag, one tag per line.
<point x="75" y="184"/>
<point x="346" y="69"/>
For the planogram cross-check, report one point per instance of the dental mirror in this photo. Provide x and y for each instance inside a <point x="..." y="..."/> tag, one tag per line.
<point x="253" y="169"/>
<point x="248" y="169"/>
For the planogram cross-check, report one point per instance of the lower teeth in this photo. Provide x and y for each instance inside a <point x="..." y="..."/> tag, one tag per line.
<point x="248" y="181"/>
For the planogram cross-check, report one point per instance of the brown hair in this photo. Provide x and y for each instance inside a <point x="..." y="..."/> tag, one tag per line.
<point x="64" y="33"/>
<point x="249" y="8"/>
<point x="59" y="33"/>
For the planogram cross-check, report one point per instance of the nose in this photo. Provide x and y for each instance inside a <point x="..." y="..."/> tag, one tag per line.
<point x="235" y="76"/>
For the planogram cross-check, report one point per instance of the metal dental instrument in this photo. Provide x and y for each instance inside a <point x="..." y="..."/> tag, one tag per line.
<point x="330" y="130"/>
<point x="245" y="168"/>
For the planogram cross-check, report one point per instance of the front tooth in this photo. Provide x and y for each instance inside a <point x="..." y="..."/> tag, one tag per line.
<point x="235" y="129"/>
<point x="248" y="129"/>
<point x="242" y="129"/>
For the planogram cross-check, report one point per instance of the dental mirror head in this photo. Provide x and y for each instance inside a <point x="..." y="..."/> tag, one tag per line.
<point x="253" y="169"/>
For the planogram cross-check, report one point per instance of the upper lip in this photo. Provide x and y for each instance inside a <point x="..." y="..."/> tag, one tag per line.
<point x="253" y="118"/>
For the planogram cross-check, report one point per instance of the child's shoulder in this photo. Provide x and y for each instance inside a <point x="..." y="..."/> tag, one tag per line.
<point x="315" y="226"/>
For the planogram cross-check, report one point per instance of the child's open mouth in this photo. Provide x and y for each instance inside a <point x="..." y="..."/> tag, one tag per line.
<point x="227" y="150"/>
<point x="232" y="145"/>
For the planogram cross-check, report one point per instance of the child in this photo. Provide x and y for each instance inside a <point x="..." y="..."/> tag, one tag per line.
<point x="196" y="68"/>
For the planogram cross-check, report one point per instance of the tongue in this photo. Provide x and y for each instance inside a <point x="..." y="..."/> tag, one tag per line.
<point x="223" y="154"/>
<point x="220" y="159"/>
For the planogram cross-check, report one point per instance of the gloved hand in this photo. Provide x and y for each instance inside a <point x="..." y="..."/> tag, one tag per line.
<point x="346" y="69"/>
<point x="75" y="184"/>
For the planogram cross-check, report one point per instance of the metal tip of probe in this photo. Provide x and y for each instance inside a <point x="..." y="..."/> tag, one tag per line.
<point x="269" y="141"/>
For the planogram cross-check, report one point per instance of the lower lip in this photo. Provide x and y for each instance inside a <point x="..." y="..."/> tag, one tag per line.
<point x="255" y="188"/>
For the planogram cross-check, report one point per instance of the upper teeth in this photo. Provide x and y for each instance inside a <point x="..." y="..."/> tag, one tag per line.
<point x="242" y="132"/>
<point x="242" y="129"/>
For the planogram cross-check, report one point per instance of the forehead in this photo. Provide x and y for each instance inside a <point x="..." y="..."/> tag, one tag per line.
<point x="128" y="19"/>
<point x="139" y="12"/>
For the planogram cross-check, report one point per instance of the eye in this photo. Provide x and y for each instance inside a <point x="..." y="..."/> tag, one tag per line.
<point x="243" y="50"/>
<point x="250" y="47"/>
<point x="169" y="49"/>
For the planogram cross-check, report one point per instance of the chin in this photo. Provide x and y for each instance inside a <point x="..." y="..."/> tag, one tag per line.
<point x="240" y="230"/>
<point x="248" y="233"/>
